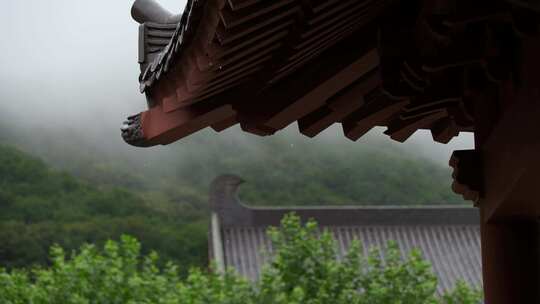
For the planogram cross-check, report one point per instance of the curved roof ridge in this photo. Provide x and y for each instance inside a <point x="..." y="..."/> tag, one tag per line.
<point x="225" y="202"/>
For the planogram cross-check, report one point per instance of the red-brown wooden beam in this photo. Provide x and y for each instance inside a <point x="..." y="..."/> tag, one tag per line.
<point x="316" y="98"/>
<point x="339" y="106"/>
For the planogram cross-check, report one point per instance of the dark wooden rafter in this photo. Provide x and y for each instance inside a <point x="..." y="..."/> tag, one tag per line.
<point x="232" y="45"/>
<point x="444" y="130"/>
<point x="258" y="56"/>
<point x="340" y="105"/>
<point x="377" y="112"/>
<point x="317" y="97"/>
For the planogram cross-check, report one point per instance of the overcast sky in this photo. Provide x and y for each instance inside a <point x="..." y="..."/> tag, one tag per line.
<point x="70" y="56"/>
<point x="71" y="62"/>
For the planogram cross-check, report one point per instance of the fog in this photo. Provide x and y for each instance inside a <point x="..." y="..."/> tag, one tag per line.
<point x="70" y="66"/>
<point x="70" y="60"/>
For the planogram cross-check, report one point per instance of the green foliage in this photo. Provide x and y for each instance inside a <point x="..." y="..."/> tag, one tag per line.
<point x="304" y="270"/>
<point x="462" y="294"/>
<point x="40" y="207"/>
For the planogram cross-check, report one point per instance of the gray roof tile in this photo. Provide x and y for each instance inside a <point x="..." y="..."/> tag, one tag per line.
<point x="452" y="246"/>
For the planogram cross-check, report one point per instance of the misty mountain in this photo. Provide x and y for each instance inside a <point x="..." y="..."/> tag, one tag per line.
<point x="40" y="207"/>
<point x="279" y="170"/>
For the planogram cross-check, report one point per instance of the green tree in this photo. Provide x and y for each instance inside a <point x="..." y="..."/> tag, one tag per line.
<point x="304" y="270"/>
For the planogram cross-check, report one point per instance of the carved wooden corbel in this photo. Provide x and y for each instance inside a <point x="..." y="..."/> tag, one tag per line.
<point x="468" y="177"/>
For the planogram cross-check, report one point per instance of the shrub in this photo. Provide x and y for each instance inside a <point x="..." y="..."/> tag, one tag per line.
<point x="303" y="270"/>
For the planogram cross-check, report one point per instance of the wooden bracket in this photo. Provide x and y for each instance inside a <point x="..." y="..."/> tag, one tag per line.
<point x="468" y="176"/>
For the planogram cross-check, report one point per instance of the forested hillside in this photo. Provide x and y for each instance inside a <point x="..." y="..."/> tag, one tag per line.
<point x="69" y="189"/>
<point x="297" y="170"/>
<point x="40" y="207"/>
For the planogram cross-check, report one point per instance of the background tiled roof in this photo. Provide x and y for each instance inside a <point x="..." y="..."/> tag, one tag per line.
<point x="449" y="237"/>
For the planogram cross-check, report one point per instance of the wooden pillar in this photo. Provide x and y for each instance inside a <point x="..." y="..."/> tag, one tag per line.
<point x="511" y="261"/>
<point x="502" y="177"/>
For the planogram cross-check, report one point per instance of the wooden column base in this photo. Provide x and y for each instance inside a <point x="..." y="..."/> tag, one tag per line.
<point x="511" y="261"/>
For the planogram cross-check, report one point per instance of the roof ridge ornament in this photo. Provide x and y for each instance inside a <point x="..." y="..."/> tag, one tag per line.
<point x="144" y="11"/>
<point x="224" y="191"/>
<point x="224" y="200"/>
